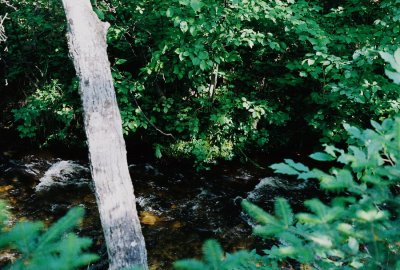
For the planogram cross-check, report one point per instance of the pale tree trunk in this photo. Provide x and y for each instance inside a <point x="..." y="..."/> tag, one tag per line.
<point x="107" y="152"/>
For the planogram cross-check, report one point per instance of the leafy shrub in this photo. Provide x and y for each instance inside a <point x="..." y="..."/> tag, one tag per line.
<point x="49" y="106"/>
<point x="38" y="73"/>
<point x="276" y="62"/>
<point x="55" y="248"/>
<point x="219" y="78"/>
<point x="357" y="229"/>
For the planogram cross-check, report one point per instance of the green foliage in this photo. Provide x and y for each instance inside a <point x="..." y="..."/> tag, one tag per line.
<point x="271" y="60"/>
<point x="34" y="26"/>
<point x="216" y="259"/>
<point x="358" y="228"/>
<point x="38" y="73"/>
<point x="220" y="78"/>
<point x="35" y="114"/>
<point x="53" y="248"/>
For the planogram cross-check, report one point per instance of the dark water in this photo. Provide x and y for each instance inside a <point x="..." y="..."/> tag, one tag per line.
<point x="179" y="207"/>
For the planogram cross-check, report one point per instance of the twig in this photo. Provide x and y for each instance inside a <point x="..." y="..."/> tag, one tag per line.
<point x="213" y="83"/>
<point x="7" y="3"/>
<point x="252" y="161"/>
<point x="3" y="36"/>
<point x="148" y="120"/>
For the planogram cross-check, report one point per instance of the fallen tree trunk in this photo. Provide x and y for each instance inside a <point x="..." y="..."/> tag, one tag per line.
<point x="107" y="152"/>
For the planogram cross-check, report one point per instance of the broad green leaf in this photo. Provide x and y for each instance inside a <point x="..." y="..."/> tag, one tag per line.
<point x="376" y="125"/>
<point x="394" y="76"/>
<point x="195" y="61"/>
<point x="391" y="60"/>
<point x="397" y="56"/>
<point x="120" y="61"/>
<point x="203" y="65"/>
<point x="158" y="153"/>
<point x="322" y="156"/>
<point x="353" y="131"/>
<point x="341" y="181"/>
<point x="184" y="2"/>
<point x="331" y="150"/>
<point x="296" y="165"/>
<point x="192" y="30"/>
<point x="353" y="245"/>
<point x="283" y="168"/>
<point x="184" y="26"/>
<point x="203" y="55"/>
<point x="196" y="5"/>
<point x="170" y="12"/>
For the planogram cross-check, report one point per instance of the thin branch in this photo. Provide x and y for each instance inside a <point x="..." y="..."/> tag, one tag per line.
<point x="251" y="161"/>
<point x="213" y="83"/>
<point x="154" y="126"/>
<point x="3" y="36"/>
<point x="7" y="3"/>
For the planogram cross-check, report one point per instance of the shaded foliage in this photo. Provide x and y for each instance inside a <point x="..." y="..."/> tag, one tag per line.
<point x="212" y="79"/>
<point x="53" y="248"/>
<point x="357" y="229"/>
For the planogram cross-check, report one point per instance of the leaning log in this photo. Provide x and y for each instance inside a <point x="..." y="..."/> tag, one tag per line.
<point x="113" y="186"/>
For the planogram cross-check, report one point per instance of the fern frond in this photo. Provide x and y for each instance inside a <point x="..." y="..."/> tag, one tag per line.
<point x="22" y="236"/>
<point x="284" y="212"/>
<point x="213" y="254"/>
<point x="62" y="226"/>
<point x="190" y="264"/>
<point x="258" y="214"/>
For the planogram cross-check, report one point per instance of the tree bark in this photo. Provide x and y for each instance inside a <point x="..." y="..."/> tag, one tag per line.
<point x="103" y="127"/>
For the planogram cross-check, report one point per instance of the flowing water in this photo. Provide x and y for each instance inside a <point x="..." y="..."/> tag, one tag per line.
<point x="179" y="207"/>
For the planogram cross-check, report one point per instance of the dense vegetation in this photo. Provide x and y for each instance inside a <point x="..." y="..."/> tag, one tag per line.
<point x="357" y="228"/>
<point x="213" y="80"/>
<point x="206" y="79"/>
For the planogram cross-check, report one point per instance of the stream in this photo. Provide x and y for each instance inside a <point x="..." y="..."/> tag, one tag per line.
<point x="179" y="207"/>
